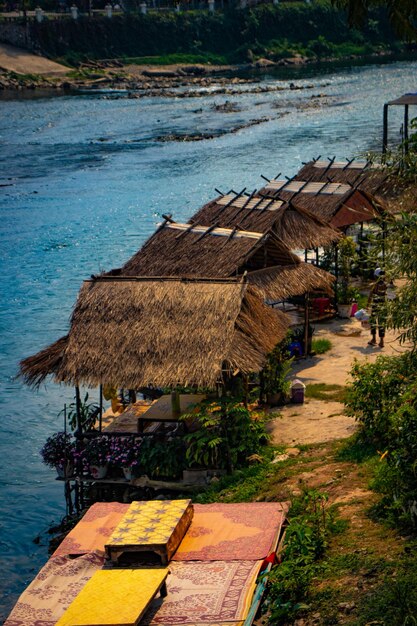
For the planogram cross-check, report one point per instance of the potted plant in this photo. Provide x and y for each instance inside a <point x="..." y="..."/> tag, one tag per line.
<point x="58" y="452"/>
<point x="96" y="456"/>
<point x="124" y="454"/>
<point x="276" y="385"/>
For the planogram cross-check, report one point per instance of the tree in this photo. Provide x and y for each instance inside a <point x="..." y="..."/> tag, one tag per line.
<point x="402" y="14"/>
<point x="400" y="242"/>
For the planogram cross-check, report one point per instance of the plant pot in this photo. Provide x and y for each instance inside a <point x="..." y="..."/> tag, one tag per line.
<point x="65" y="471"/>
<point x="98" y="471"/>
<point x="344" y="310"/>
<point x="275" y="399"/>
<point x="195" y="476"/>
<point x="127" y="473"/>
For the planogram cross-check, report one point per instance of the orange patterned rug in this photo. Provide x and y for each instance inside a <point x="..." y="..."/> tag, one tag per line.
<point x="93" y="530"/>
<point x="54" y="588"/>
<point x="206" y="593"/>
<point x="227" y="532"/>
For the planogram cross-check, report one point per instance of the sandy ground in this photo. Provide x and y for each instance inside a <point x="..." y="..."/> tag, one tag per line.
<point x="23" y="62"/>
<point x="318" y="421"/>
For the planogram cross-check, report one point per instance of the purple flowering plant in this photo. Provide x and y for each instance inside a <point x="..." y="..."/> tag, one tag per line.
<point x="97" y="451"/>
<point x="58" y="450"/>
<point x="124" y="452"/>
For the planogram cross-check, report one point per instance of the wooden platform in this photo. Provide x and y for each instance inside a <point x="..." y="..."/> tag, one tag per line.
<point x="150" y="528"/>
<point x="118" y="597"/>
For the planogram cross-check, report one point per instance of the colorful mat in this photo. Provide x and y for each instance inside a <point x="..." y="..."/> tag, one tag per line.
<point x="228" y="532"/>
<point x="94" y="530"/>
<point x="54" y="588"/>
<point x="115" y="597"/>
<point x="206" y="593"/>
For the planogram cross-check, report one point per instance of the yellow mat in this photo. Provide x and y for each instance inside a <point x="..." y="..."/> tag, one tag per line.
<point x="114" y="598"/>
<point x="152" y="526"/>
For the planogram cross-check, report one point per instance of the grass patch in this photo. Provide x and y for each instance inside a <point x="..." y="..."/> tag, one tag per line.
<point x="320" y="346"/>
<point x="328" y="393"/>
<point x="207" y="58"/>
<point x="394" y="601"/>
<point x="243" y="485"/>
<point x="356" y="451"/>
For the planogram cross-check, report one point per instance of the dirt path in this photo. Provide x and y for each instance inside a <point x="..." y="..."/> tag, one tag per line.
<point x="23" y="62"/>
<point x="318" y="421"/>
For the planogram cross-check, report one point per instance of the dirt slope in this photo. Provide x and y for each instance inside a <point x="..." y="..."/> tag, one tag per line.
<point x="23" y="62"/>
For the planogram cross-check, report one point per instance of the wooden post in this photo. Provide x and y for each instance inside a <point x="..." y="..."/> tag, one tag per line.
<point x="306" y="324"/>
<point x="406" y="129"/>
<point x="385" y="130"/>
<point x="100" y="417"/>
<point x="246" y="390"/>
<point x="175" y="403"/>
<point x="224" y="422"/>
<point x="79" y="430"/>
<point x="336" y="268"/>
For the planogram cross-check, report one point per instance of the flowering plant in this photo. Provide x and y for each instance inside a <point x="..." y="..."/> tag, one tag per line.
<point x="97" y="451"/>
<point x="124" y="452"/>
<point x="58" y="450"/>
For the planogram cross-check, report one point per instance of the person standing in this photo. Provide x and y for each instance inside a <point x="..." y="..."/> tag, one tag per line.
<point x="376" y="301"/>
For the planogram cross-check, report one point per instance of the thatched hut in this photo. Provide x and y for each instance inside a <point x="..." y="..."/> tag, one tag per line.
<point x="381" y="184"/>
<point x="188" y="250"/>
<point x="338" y="204"/>
<point x="136" y="332"/>
<point x="194" y="250"/>
<point x="292" y="225"/>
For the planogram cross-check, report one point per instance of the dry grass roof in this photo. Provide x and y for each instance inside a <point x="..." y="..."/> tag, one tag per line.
<point x="363" y="175"/>
<point x="293" y="226"/>
<point x="279" y="283"/>
<point x="325" y="200"/>
<point x="194" y="250"/>
<point x="164" y="332"/>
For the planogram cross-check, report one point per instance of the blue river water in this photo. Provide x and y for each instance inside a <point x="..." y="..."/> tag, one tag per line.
<point x="84" y="183"/>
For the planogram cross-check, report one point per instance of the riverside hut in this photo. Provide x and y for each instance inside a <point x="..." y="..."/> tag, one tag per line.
<point x="367" y="177"/>
<point x="294" y="226"/>
<point x="193" y="250"/>
<point x="135" y="332"/>
<point x="338" y="204"/>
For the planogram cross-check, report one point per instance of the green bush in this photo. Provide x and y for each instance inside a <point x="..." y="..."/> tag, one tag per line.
<point x="320" y="346"/>
<point x="224" y="435"/>
<point x="375" y="394"/>
<point x="304" y="545"/>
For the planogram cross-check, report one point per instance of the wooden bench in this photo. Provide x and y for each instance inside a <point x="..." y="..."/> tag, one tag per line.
<point x="118" y="597"/>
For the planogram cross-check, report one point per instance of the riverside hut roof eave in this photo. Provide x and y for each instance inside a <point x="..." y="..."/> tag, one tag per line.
<point x="136" y="332"/>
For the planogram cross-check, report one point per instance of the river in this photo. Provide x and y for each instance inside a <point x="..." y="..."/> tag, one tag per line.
<point x="84" y="182"/>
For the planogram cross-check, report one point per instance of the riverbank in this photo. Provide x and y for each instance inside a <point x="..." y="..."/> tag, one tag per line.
<point x="155" y="79"/>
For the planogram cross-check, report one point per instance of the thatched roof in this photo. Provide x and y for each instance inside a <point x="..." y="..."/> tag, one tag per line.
<point x="337" y="204"/>
<point x="295" y="227"/>
<point x="279" y="283"/>
<point x="193" y="250"/>
<point x="363" y="175"/>
<point x="164" y="332"/>
<point x="36" y="368"/>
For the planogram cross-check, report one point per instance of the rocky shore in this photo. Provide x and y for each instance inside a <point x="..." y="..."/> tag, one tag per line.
<point x="159" y="81"/>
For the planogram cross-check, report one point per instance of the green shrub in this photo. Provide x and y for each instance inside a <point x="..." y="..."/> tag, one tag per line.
<point x="224" y="435"/>
<point x="320" y="346"/>
<point x="304" y="545"/>
<point x="375" y="394"/>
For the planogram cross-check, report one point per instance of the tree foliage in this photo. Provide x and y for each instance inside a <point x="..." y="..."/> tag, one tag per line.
<point x="402" y="14"/>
